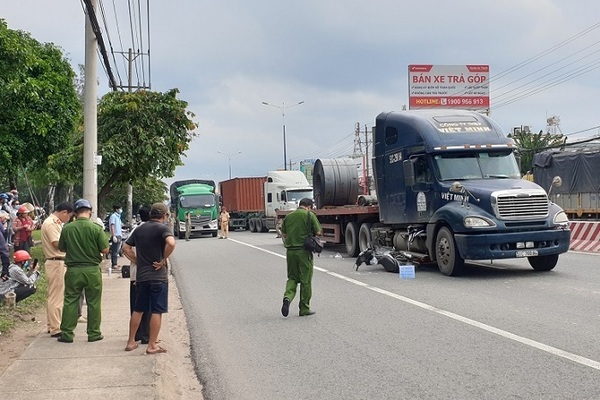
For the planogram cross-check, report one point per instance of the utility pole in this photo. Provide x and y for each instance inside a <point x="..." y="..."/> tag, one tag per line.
<point x="90" y="121"/>
<point x="129" y="185"/>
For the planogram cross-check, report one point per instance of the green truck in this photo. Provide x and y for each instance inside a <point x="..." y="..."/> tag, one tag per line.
<point x="198" y="198"/>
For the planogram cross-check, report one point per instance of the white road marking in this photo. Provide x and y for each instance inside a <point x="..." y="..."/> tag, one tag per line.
<point x="488" y="328"/>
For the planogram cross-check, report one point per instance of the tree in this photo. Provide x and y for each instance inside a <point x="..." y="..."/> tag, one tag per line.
<point x="141" y="135"/>
<point x="38" y="102"/>
<point x="531" y="143"/>
<point x="147" y="190"/>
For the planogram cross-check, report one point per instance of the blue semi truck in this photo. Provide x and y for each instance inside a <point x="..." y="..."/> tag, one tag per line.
<point x="448" y="189"/>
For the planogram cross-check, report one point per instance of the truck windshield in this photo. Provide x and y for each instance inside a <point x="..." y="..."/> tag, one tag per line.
<point x="197" y="201"/>
<point x="476" y="165"/>
<point x="297" y="195"/>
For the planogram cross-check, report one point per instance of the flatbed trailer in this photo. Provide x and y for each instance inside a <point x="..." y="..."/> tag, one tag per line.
<point x="344" y="224"/>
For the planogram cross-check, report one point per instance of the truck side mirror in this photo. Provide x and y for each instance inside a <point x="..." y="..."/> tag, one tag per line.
<point x="556" y="182"/>
<point x="409" y="172"/>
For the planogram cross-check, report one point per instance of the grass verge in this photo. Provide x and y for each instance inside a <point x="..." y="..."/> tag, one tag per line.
<point x="26" y="309"/>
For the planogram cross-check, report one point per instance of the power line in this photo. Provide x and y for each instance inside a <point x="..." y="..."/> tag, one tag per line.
<point x="98" y="33"/>
<point x="100" y="2"/>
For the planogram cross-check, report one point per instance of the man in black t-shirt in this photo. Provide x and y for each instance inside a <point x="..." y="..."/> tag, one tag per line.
<point x="154" y="243"/>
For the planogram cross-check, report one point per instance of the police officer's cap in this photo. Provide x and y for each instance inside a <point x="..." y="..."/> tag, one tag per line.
<point x="82" y="203"/>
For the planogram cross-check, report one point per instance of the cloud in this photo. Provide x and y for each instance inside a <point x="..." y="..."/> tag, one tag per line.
<point x="347" y="60"/>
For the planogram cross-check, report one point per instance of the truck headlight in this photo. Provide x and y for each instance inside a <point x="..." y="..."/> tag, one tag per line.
<point x="561" y="218"/>
<point x="478" y="222"/>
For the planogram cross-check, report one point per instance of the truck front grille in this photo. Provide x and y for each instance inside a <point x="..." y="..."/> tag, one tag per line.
<point x="521" y="205"/>
<point x="200" y="220"/>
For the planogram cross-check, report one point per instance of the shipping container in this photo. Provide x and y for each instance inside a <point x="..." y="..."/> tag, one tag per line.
<point x="243" y="194"/>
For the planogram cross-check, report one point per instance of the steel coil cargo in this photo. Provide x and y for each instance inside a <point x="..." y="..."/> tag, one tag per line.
<point x="335" y="182"/>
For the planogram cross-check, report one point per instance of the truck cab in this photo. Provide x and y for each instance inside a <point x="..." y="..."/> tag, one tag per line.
<point x="284" y="190"/>
<point x="451" y="180"/>
<point x="198" y="199"/>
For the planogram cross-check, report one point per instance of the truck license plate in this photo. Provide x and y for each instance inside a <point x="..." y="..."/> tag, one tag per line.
<point x="527" y="253"/>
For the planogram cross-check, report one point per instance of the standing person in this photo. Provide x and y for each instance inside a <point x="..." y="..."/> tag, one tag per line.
<point x="22" y="227"/>
<point x="55" y="265"/>
<point x="116" y="234"/>
<point x="224" y="220"/>
<point x="20" y="282"/>
<point x="143" y="332"/>
<point x="6" y="208"/>
<point x="188" y="225"/>
<point x="14" y="206"/>
<point x="83" y="241"/>
<point x="154" y="243"/>
<point x="294" y="230"/>
<point x="4" y="218"/>
<point x="4" y="258"/>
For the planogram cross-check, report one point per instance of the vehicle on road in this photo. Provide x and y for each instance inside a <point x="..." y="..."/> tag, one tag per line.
<point x="253" y="202"/>
<point x="196" y="197"/>
<point x="448" y="189"/>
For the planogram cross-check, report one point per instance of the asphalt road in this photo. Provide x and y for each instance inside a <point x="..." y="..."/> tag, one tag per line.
<point x="501" y="331"/>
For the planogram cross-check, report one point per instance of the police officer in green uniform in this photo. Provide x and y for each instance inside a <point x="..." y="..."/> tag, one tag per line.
<point x="295" y="229"/>
<point x="83" y="241"/>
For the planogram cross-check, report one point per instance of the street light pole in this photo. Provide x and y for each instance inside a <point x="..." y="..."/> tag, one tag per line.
<point x="229" y="155"/>
<point x="282" y="108"/>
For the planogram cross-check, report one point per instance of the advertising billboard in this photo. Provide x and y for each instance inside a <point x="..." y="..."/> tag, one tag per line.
<point x="449" y="86"/>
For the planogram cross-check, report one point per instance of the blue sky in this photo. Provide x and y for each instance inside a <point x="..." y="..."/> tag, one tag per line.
<point x="347" y="60"/>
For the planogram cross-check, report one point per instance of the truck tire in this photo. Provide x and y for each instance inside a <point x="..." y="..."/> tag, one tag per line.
<point x="543" y="263"/>
<point x="181" y="234"/>
<point x="448" y="259"/>
<point x="264" y="228"/>
<point x="351" y="239"/>
<point x="258" y="225"/>
<point x="252" y="224"/>
<point x="364" y="236"/>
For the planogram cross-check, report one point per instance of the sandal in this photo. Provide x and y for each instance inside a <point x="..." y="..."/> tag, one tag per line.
<point x="135" y="346"/>
<point x="157" y="351"/>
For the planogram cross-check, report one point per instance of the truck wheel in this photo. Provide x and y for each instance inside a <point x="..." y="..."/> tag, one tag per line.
<point x="264" y="228"/>
<point x="543" y="263"/>
<point x="252" y="224"/>
<point x="449" y="261"/>
<point x="258" y="225"/>
<point x="181" y="234"/>
<point x="351" y="239"/>
<point x="364" y="236"/>
<point x="214" y="234"/>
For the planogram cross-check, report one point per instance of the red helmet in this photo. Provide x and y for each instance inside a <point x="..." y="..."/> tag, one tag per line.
<point x="23" y="210"/>
<point x="21" y="255"/>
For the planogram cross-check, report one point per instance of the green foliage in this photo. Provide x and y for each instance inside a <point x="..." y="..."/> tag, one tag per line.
<point x="141" y="134"/>
<point x="38" y="102"/>
<point x="531" y="143"/>
<point x="141" y="137"/>
<point x="146" y="190"/>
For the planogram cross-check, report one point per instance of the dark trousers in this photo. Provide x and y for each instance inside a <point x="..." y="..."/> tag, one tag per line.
<point x="143" y="332"/>
<point x="114" y="251"/>
<point x="24" y="292"/>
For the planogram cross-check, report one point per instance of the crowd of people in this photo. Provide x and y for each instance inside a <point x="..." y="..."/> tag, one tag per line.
<point x="74" y="244"/>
